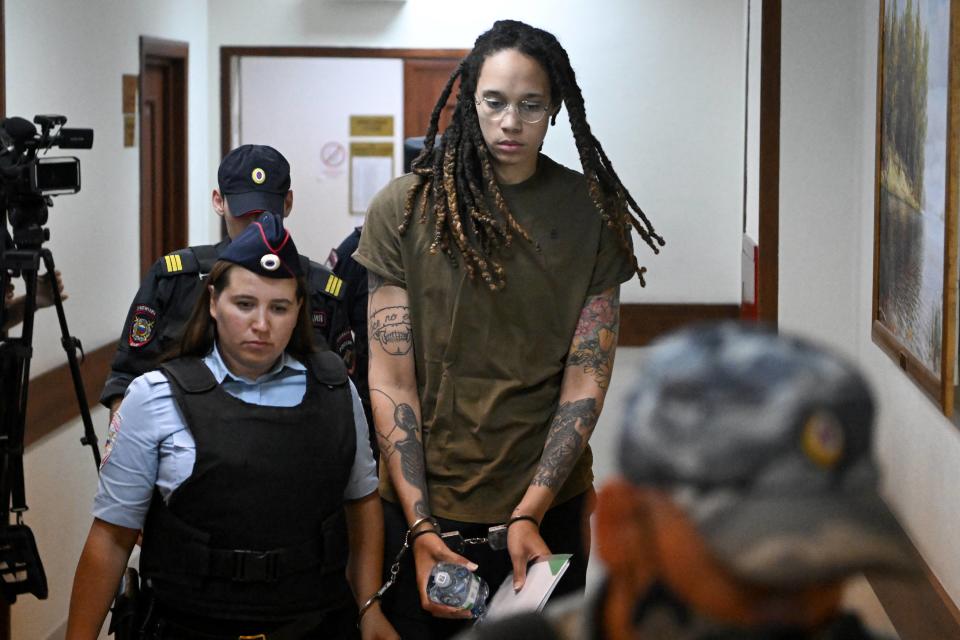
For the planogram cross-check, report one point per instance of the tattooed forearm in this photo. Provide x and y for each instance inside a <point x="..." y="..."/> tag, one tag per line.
<point x="571" y="428"/>
<point x="595" y="339"/>
<point x="400" y="436"/>
<point x="390" y="328"/>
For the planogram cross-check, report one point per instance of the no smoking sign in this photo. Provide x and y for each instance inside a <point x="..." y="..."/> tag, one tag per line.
<point x="333" y="154"/>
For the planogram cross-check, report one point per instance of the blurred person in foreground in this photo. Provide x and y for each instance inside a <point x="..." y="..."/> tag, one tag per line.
<point x="746" y="497"/>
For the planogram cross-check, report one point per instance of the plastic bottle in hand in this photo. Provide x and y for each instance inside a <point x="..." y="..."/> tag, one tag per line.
<point x="456" y="586"/>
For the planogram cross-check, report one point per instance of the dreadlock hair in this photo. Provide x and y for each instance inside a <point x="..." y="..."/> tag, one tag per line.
<point x="470" y="217"/>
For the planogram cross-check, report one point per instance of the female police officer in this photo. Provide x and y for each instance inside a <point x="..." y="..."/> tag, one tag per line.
<point x="230" y="458"/>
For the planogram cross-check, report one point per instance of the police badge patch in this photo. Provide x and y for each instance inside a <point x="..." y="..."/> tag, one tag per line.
<point x="111" y="438"/>
<point x="141" y="328"/>
<point x="344" y="348"/>
<point x="319" y="318"/>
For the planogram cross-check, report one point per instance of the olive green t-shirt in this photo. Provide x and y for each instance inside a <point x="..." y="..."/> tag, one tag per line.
<point x="489" y="363"/>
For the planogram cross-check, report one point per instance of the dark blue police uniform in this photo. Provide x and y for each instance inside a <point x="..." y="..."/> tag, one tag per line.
<point x="352" y="346"/>
<point x="166" y="298"/>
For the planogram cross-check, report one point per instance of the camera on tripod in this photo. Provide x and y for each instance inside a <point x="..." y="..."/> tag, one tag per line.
<point x="27" y="183"/>
<point x="28" y="180"/>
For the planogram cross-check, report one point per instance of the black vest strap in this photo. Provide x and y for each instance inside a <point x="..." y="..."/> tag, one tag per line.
<point x="194" y="377"/>
<point x="328" y="368"/>
<point x="191" y="374"/>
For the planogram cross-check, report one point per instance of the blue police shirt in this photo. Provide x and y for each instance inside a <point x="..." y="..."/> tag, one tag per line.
<point x="150" y="445"/>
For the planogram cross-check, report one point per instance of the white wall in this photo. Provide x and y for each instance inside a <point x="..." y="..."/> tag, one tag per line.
<point x="826" y="257"/>
<point x="664" y="87"/>
<point x="314" y="113"/>
<point x="663" y="81"/>
<point x="68" y="57"/>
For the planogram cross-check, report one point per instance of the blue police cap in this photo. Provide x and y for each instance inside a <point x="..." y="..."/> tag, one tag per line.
<point x="265" y="248"/>
<point x="254" y="178"/>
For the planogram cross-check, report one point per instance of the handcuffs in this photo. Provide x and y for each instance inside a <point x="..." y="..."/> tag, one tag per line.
<point x="496" y="539"/>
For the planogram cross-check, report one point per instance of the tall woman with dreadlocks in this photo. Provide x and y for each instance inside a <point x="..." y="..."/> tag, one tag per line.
<point x="493" y="320"/>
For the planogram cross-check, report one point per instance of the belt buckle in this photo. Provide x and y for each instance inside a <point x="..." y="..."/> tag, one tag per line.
<point x="254" y="566"/>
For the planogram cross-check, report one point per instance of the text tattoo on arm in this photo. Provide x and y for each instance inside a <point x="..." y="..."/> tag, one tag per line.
<point x="407" y="446"/>
<point x="595" y="338"/>
<point x="571" y="428"/>
<point x="390" y="328"/>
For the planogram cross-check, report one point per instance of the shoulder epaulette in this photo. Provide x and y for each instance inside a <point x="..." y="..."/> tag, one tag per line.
<point x="178" y="263"/>
<point x="197" y="259"/>
<point x="322" y="280"/>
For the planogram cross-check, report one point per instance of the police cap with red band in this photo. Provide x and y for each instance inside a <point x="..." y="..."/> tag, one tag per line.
<point x="265" y="248"/>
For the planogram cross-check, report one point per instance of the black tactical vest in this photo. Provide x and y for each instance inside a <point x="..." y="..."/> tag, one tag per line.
<point x="243" y="536"/>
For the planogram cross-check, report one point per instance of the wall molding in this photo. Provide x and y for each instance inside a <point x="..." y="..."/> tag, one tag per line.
<point x="917" y="605"/>
<point x="52" y="401"/>
<point x="640" y="324"/>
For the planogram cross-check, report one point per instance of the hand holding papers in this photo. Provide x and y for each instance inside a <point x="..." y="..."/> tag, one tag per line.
<point x="542" y="577"/>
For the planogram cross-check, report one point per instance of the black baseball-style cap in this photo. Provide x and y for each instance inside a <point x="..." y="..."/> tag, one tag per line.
<point x="254" y="178"/>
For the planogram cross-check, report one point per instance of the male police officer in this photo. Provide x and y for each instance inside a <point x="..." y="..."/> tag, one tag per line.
<point x="747" y="495"/>
<point x="252" y="179"/>
<point x="352" y="346"/>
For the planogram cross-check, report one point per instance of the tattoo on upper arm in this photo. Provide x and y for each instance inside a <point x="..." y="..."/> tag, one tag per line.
<point x="595" y="339"/>
<point x="390" y="328"/>
<point x="374" y="282"/>
<point x="571" y="428"/>
<point x="407" y="445"/>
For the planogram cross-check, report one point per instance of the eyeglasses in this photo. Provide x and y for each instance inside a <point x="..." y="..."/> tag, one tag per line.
<point x="530" y="111"/>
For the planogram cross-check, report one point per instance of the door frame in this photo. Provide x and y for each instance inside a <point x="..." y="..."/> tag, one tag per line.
<point x="176" y="55"/>
<point x="769" y="163"/>
<point x="228" y="55"/>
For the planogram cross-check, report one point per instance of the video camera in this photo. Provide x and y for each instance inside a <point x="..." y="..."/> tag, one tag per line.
<point x="27" y="186"/>
<point x="27" y="181"/>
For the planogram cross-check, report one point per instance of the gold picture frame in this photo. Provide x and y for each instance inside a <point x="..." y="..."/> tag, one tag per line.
<point x="915" y="209"/>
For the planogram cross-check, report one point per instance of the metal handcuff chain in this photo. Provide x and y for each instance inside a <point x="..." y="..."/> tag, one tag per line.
<point x="496" y="538"/>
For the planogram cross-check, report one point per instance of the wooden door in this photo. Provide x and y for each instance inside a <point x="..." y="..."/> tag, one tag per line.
<point x="153" y="173"/>
<point x="163" y="149"/>
<point x="423" y="80"/>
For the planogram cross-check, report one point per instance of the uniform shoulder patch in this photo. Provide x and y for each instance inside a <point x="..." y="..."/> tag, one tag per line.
<point x="142" y="326"/>
<point x="179" y="262"/>
<point x="333" y="285"/>
<point x="323" y="281"/>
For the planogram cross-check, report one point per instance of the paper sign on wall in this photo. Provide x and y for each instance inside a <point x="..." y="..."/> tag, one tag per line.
<point x="375" y="126"/>
<point x="371" y="168"/>
<point x="129" y="107"/>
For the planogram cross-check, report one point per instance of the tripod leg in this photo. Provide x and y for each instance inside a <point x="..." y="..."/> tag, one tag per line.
<point x="15" y="355"/>
<point x="71" y="345"/>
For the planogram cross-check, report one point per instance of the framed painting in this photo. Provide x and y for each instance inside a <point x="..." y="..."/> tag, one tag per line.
<point x="915" y="219"/>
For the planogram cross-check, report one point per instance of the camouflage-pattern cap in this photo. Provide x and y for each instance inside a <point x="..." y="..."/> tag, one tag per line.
<point x="765" y="442"/>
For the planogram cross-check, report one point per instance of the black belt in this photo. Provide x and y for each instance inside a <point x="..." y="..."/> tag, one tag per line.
<point x="242" y="565"/>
